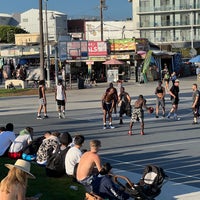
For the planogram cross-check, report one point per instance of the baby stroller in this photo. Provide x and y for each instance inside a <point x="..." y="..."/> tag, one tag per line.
<point x="149" y="185"/>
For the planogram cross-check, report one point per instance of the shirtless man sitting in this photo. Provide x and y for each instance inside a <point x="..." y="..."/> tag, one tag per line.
<point x="89" y="163"/>
<point x="88" y="169"/>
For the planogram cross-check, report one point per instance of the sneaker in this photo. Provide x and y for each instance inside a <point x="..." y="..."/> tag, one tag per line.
<point x="177" y="118"/>
<point x="111" y="126"/>
<point x="157" y="116"/>
<point x="63" y="115"/>
<point x="39" y="117"/>
<point x="45" y="117"/>
<point x="60" y="117"/>
<point x="141" y="133"/>
<point x="104" y="127"/>
<point x="168" y="116"/>
<point x="130" y="133"/>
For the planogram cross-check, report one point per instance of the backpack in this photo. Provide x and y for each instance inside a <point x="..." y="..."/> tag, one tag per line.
<point x="55" y="166"/>
<point x="152" y="179"/>
<point x="34" y="145"/>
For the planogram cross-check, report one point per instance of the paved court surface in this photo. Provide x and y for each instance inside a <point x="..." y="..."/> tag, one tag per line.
<point x="173" y="145"/>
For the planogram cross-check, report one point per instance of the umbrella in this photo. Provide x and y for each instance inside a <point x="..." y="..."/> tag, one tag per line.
<point x="196" y="59"/>
<point x="113" y="62"/>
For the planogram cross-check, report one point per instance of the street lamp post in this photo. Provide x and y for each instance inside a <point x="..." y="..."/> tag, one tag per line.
<point x="41" y="41"/>
<point x="47" y="48"/>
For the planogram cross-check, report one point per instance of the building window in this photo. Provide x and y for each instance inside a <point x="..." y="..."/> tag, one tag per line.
<point x="25" y="19"/>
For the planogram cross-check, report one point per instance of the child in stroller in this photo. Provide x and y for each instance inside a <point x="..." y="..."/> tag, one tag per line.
<point x="149" y="185"/>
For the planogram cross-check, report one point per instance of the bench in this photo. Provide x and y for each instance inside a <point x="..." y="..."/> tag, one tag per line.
<point x="14" y="82"/>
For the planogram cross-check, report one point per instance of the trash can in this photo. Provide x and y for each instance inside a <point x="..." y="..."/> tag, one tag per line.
<point x="81" y="83"/>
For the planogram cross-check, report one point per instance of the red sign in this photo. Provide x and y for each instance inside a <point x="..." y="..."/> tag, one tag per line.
<point x="97" y="48"/>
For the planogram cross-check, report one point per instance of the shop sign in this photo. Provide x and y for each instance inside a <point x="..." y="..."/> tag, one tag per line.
<point x="122" y="44"/>
<point x="97" y="48"/>
<point x="121" y="56"/>
<point x="76" y="50"/>
<point x="90" y="62"/>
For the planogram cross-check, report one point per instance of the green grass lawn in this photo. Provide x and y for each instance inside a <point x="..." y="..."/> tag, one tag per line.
<point x="51" y="188"/>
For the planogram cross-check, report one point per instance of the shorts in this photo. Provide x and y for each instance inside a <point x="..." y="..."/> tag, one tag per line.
<point x="175" y="101"/>
<point x="87" y="183"/>
<point x="160" y="102"/>
<point x="41" y="102"/>
<point x="107" y="106"/>
<point x="60" y="102"/>
<point x="137" y="115"/>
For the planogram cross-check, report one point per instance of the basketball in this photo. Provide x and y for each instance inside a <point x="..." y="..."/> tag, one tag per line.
<point x="151" y="110"/>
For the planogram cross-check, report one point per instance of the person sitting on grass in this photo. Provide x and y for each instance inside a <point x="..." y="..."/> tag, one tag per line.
<point x="73" y="155"/>
<point x="88" y="171"/>
<point x="7" y="136"/>
<point x="20" y="143"/>
<point x="50" y="143"/>
<point x="56" y="159"/>
<point x="13" y="186"/>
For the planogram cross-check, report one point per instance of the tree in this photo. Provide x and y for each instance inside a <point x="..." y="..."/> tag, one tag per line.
<point x="7" y="33"/>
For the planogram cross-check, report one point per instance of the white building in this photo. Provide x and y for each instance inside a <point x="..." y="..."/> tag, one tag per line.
<point x="56" y="22"/>
<point x="175" y="22"/>
<point x="111" y="30"/>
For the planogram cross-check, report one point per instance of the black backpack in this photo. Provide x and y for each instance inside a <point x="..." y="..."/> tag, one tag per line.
<point x="56" y="163"/>
<point x="34" y="145"/>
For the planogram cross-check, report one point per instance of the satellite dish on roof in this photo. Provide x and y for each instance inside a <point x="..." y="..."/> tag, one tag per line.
<point x="193" y="52"/>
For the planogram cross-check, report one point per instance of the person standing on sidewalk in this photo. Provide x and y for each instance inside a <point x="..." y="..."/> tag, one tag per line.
<point x="160" y="98"/>
<point x="60" y="96"/>
<point x="108" y="102"/>
<point x="138" y="114"/>
<point x="174" y="93"/>
<point x="42" y="100"/>
<point x="195" y="103"/>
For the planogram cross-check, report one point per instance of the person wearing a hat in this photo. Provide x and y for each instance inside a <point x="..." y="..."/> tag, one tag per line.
<point x="174" y="93"/>
<point x="13" y="186"/>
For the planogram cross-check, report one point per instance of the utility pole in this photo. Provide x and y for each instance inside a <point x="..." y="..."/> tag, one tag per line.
<point x="47" y="48"/>
<point x="41" y="41"/>
<point x="102" y="3"/>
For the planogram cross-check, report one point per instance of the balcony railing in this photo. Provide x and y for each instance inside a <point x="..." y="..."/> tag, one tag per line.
<point x="167" y="8"/>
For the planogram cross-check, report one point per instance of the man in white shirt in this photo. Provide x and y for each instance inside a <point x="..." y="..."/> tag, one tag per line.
<point x="7" y="136"/>
<point x="73" y="155"/>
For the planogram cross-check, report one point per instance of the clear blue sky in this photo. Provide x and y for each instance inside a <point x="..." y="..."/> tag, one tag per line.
<point x="117" y="9"/>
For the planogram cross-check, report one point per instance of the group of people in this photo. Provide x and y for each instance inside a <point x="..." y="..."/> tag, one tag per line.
<point x="111" y="98"/>
<point x="61" y="155"/>
<point x="60" y="98"/>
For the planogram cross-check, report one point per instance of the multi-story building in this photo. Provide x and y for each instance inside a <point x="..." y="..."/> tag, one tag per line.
<point x="55" y="21"/>
<point x="174" y="22"/>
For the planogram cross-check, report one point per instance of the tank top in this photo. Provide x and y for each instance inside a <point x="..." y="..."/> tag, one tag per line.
<point x="40" y="92"/>
<point x="159" y="90"/>
<point x="60" y="93"/>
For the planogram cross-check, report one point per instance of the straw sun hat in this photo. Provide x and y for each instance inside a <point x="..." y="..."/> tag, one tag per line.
<point x="23" y="165"/>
